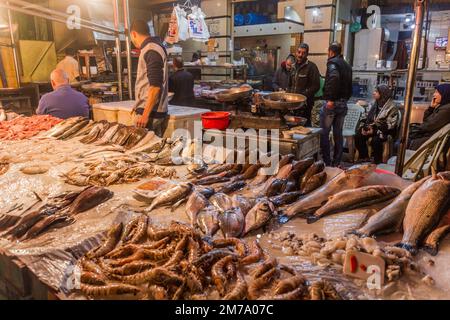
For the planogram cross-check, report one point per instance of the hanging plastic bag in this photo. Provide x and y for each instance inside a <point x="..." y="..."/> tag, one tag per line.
<point x="198" y="30"/>
<point x="183" y="29"/>
<point x="172" y="34"/>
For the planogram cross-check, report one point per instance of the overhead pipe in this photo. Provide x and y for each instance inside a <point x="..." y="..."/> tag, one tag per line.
<point x="30" y="6"/>
<point x="14" y="48"/>
<point x="410" y="83"/>
<point x="118" y="48"/>
<point x="55" y="19"/>
<point x="127" y="23"/>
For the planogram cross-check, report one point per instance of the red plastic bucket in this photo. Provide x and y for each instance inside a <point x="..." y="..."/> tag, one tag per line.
<point x="216" y="120"/>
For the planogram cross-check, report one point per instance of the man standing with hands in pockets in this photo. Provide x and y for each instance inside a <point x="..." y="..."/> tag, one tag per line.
<point x="152" y="82"/>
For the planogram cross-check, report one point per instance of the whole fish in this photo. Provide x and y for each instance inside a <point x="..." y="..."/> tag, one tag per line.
<point x="390" y="218"/>
<point x="207" y="221"/>
<point x="84" y="131"/>
<point x="284" y="171"/>
<point x="250" y="172"/>
<point x="94" y="133"/>
<point x="76" y="128"/>
<point x="171" y="196"/>
<point x="221" y="202"/>
<point x="353" y="178"/>
<point x="424" y="211"/>
<point x="26" y="223"/>
<point x="234" y="171"/>
<point x="109" y="134"/>
<point x="196" y="202"/>
<point x="44" y="224"/>
<point x="354" y="199"/>
<point x="149" y="136"/>
<point x="218" y="178"/>
<point x="232" y="187"/>
<point x="259" y="216"/>
<point x="315" y="182"/>
<point x="286" y="198"/>
<point x="245" y="204"/>
<point x="431" y="243"/>
<point x="137" y="135"/>
<point x="104" y="129"/>
<point x="286" y="159"/>
<point x="90" y="198"/>
<point x="231" y="222"/>
<point x="316" y="168"/>
<point x="302" y="165"/>
<point x="274" y="188"/>
<point x="122" y="136"/>
<point x="62" y="127"/>
<point x="153" y="146"/>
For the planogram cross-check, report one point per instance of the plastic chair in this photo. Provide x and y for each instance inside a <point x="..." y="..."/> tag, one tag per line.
<point x="351" y="123"/>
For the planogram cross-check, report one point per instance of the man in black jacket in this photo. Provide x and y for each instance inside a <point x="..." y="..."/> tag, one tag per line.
<point x="182" y="84"/>
<point x="337" y="92"/>
<point x="305" y="79"/>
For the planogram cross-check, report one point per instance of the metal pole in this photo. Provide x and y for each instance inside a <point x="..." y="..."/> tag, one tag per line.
<point x="126" y="14"/>
<point x="118" y="48"/>
<point x="410" y="84"/>
<point x="14" y="48"/>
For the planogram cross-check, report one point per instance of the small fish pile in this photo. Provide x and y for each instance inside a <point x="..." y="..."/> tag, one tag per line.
<point x="122" y="170"/>
<point x="55" y="212"/>
<point x="332" y="253"/>
<point x="26" y="127"/>
<point x="420" y="211"/>
<point x="149" y="262"/>
<point x="4" y="167"/>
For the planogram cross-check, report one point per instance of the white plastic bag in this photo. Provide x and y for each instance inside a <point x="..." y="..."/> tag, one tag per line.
<point x="178" y="26"/>
<point x="198" y="30"/>
<point x="172" y="33"/>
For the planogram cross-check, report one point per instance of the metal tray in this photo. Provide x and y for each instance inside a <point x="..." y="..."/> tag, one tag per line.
<point x="284" y="101"/>
<point x="234" y="94"/>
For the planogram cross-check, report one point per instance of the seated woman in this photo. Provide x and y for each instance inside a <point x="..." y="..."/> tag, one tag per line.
<point x="382" y="121"/>
<point x="436" y="117"/>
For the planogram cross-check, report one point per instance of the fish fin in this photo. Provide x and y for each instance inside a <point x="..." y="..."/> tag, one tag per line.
<point x="410" y="248"/>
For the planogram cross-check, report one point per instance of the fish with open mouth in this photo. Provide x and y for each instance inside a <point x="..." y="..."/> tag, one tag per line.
<point x="194" y="205"/>
<point x="390" y="218"/>
<point x="259" y="216"/>
<point x="352" y="178"/>
<point x="354" y="199"/>
<point x="207" y="221"/>
<point x="231" y="222"/>
<point x="171" y="196"/>
<point x="424" y="211"/>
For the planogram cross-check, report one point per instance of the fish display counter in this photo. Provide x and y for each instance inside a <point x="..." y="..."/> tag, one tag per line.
<point x="99" y="210"/>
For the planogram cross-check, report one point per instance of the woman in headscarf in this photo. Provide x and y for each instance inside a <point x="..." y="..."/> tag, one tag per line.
<point x="436" y="117"/>
<point x="382" y="121"/>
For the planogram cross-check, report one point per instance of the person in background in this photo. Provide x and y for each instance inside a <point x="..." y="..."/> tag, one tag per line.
<point x="64" y="102"/>
<point x="283" y="74"/>
<point x="152" y="82"/>
<point x="181" y="83"/>
<point x="197" y="60"/>
<point x="436" y="117"/>
<point x="70" y="65"/>
<point x="318" y="104"/>
<point x="337" y="92"/>
<point x="382" y="121"/>
<point x="305" y="79"/>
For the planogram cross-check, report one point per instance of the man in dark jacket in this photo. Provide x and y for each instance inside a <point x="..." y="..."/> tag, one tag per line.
<point x="435" y="118"/>
<point x="182" y="84"/>
<point x="337" y="92"/>
<point x="283" y="74"/>
<point x="305" y="79"/>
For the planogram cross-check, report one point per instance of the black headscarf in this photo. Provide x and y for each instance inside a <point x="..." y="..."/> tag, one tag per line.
<point x="385" y="94"/>
<point x="444" y="90"/>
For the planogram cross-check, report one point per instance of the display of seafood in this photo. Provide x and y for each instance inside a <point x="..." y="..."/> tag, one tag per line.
<point x="332" y="252"/>
<point x="148" y="262"/>
<point x="55" y="212"/>
<point x="26" y="127"/>
<point x="115" y="171"/>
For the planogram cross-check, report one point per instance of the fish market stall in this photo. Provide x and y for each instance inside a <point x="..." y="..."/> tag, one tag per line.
<point x="96" y="210"/>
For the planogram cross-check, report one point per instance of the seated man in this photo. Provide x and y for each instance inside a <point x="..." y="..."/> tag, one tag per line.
<point x="435" y="118"/>
<point x="182" y="84"/>
<point x="64" y="102"/>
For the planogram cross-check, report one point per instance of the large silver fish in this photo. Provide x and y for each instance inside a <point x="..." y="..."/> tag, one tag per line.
<point x="171" y="196"/>
<point x="350" y="179"/>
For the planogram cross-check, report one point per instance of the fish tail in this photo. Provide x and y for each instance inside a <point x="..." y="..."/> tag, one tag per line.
<point x="312" y="219"/>
<point x="406" y="246"/>
<point x="432" y="250"/>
